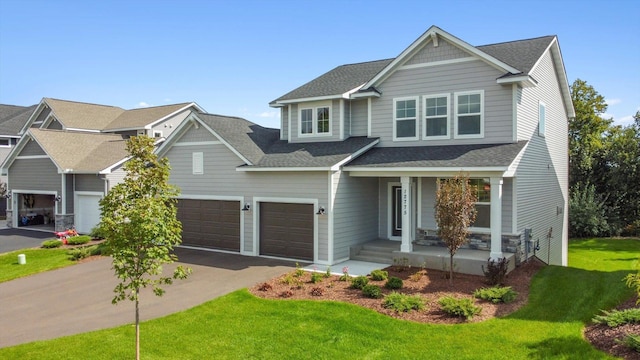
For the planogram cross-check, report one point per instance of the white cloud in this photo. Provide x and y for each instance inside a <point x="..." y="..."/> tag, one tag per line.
<point x="269" y="114"/>
<point x="143" y="104"/>
<point x="612" y="102"/>
<point x="625" y="120"/>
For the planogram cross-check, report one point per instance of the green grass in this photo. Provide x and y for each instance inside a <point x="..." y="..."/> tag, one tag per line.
<point x="241" y="326"/>
<point x="38" y="260"/>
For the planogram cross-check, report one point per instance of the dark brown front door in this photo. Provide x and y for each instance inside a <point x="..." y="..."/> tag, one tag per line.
<point x="396" y="210"/>
<point x="210" y="223"/>
<point x="286" y="230"/>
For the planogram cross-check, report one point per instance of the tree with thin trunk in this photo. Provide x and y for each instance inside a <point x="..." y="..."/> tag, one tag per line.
<point x="455" y="211"/>
<point x="140" y="224"/>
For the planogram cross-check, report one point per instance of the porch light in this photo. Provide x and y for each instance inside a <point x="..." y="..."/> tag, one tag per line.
<point x="320" y="211"/>
<point x="246" y="207"/>
<point x="57" y="198"/>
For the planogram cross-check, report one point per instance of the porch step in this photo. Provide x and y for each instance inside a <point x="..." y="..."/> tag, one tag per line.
<point x="373" y="253"/>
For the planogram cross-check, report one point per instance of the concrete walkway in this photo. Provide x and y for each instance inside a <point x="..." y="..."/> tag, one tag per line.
<point x="77" y="299"/>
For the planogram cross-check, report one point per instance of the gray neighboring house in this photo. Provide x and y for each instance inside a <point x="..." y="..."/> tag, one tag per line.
<point x="70" y="154"/>
<point x="361" y="148"/>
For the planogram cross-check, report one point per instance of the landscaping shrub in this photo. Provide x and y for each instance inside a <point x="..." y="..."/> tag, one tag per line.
<point x="359" y="282"/>
<point x="51" y="244"/>
<point x="372" y="291"/>
<point x="317" y="291"/>
<point x="316" y="277"/>
<point x="632" y="341"/>
<point x="459" y="307"/>
<point x="100" y="249"/>
<point x="403" y="302"/>
<point x="265" y="287"/>
<point x="416" y="276"/>
<point x="286" y="294"/>
<point x="618" y="317"/>
<point x="79" y="253"/>
<point x="393" y="283"/>
<point x="496" y="271"/>
<point x="379" y="275"/>
<point x="97" y="233"/>
<point x="78" y="240"/>
<point x="299" y="271"/>
<point x="496" y="294"/>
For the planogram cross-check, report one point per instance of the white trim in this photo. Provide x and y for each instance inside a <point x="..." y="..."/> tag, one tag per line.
<point x="514" y="111"/>
<point x="63" y="196"/>
<point x="438" y="63"/>
<point x="423" y="171"/>
<point x="496" y="217"/>
<point x="26" y="157"/>
<point x="368" y="94"/>
<point x="15" y="207"/>
<point x="36" y="113"/>
<point x="523" y="80"/>
<point x="83" y="130"/>
<point x="424" y="116"/>
<point x="281" y="124"/>
<point x="204" y="125"/>
<point x="311" y="99"/>
<point x="419" y="203"/>
<point x="369" y="117"/>
<point x="341" y="119"/>
<point x="407" y="214"/>
<point x="109" y="169"/>
<point x="455" y="114"/>
<point x="542" y="120"/>
<point x="256" y="221"/>
<point x="314" y="119"/>
<point x="253" y="168"/>
<point x="197" y="143"/>
<point x="197" y="163"/>
<point x="417" y="118"/>
<point x="354" y="155"/>
<point x="330" y="217"/>
<point x="514" y="205"/>
<point x="289" y="128"/>
<point x="390" y="206"/>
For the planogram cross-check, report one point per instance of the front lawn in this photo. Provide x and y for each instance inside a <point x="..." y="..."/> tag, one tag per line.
<point x="38" y="260"/>
<point x="239" y="325"/>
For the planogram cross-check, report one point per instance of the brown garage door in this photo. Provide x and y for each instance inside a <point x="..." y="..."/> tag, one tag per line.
<point x="286" y="230"/>
<point x="210" y="223"/>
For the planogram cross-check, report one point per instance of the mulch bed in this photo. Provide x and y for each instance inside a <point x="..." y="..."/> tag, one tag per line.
<point x="608" y="339"/>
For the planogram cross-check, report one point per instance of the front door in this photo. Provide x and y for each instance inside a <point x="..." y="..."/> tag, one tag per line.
<point x="396" y="211"/>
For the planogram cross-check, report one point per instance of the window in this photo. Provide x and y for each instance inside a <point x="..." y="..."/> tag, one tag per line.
<point x="405" y="118"/>
<point x="483" y="204"/>
<point x="541" y="118"/>
<point x="5" y="142"/>
<point x="198" y="163"/>
<point x="315" y="121"/>
<point x="157" y="134"/>
<point x="469" y="119"/>
<point x="436" y="117"/>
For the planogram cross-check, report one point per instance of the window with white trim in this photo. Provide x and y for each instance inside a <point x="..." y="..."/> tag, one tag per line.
<point x="541" y="118"/>
<point x="157" y="134"/>
<point x="469" y="114"/>
<point x="198" y="163"/>
<point x="315" y="120"/>
<point x="5" y="142"/>
<point x="405" y="118"/>
<point x="436" y="116"/>
<point x="482" y="188"/>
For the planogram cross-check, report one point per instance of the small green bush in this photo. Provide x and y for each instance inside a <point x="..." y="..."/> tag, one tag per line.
<point x="632" y="341"/>
<point x="79" y="253"/>
<point x="402" y="302"/>
<point x="100" y="249"/>
<point x="496" y="271"/>
<point x="299" y="271"/>
<point x="372" y="291"/>
<point x="78" y="240"/>
<point x="359" y="282"/>
<point x="618" y="317"/>
<point x="316" y="277"/>
<point x="379" y="275"/>
<point x="394" y="283"/>
<point x="459" y="307"/>
<point x="97" y="233"/>
<point x="51" y="244"/>
<point x="496" y="294"/>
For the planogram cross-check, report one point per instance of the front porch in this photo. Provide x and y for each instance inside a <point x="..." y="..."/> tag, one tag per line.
<point x="467" y="261"/>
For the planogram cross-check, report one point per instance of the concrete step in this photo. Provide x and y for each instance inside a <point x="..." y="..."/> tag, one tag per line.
<point x="374" y="259"/>
<point x="372" y="253"/>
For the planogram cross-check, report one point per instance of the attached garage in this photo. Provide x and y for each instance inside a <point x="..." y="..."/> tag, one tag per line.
<point x="87" y="212"/>
<point x="286" y="230"/>
<point x="211" y="224"/>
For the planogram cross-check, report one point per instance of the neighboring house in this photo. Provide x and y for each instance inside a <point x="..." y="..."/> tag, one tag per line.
<point x="70" y="155"/>
<point x="361" y="149"/>
<point x="12" y="119"/>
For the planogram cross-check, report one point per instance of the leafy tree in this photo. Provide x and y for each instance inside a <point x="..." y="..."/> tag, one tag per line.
<point x="140" y="224"/>
<point x="455" y="211"/>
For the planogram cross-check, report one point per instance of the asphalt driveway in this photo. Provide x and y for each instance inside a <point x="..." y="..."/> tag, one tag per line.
<point x="16" y="239"/>
<point x="77" y="298"/>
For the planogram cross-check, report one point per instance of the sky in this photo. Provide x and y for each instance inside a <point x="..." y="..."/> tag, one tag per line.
<point x="234" y="57"/>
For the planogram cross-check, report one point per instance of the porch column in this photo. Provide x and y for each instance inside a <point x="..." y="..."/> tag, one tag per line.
<point x="406" y="245"/>
<point x="496" y="218"/>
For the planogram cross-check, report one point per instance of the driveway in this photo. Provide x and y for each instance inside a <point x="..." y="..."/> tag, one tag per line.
<point x="77" y="299"/>
<point x="16" y="239"/>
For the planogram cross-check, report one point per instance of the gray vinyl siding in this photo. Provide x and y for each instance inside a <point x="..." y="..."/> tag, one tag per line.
<point x="116" y="177"/>
<point x="35" y="174"/>
<point x="54" y="125"/>
<point x="31" y="148"/>
<point x="355" y="212"/>
<point x="41" y="117"/>
<point x="429" y="53"/>
<point x="358" y="115"/>
<point x="89" y="183"/>
<point x="196" y="135"/>
<point x="542" y="175"/>
<point x="335" y="122"/>
<point x="442" y="79"/>
<point x="169" y="125"/>
<point x="221" y="179"/>
<point x="284" y="122"/>
<point x="69" y="193"/>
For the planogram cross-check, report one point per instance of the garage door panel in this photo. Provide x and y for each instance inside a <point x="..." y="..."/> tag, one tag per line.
<point x="210" y="223"/>
<point x="286" y="230"/>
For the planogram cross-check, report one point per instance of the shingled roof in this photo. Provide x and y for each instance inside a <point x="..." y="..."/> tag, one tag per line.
<point x="450" y="156"/>
<point x="13" y="118"/>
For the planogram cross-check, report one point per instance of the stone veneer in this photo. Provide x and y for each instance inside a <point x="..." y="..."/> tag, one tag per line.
<point x="511" y="243"/>
<point x="64" y="222"/>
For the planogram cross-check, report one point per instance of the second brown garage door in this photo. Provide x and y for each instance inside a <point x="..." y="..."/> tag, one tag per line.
<point x="286" y="230"/>
<point x="210" y="223"/>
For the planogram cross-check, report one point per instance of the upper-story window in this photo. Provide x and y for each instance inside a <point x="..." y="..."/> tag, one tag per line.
<point x="436" y="117"/>
<point x="469" y="114"/>
<point x="541" y="118"/>
<point x="405" y="118"/>
<point x="315" y="120"/>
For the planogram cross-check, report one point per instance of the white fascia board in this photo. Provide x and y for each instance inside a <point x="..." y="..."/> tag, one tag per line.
<point x="367" y="94"/>
<point x="150" y="125"/>
<point x="21" y="144"/>
<point x="513" y="167"/>
<point x="109" y="169"/>
<point x="222" y="140"/>
<point x="281" y="169"/>
<point x="310" y="99"/>
<point x="84" y="130"/>
<point x="178" y="132"/>
<point x="337" y="166"/>
<point x="523" y="80"/>
<point x="33" y="116"/>
<point x="424" y="172"/>
<point x="558" y="64"/>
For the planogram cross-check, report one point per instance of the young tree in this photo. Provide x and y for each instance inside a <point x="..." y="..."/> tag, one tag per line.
<point x="140" y="225"/>
<point x="455" y="212"/>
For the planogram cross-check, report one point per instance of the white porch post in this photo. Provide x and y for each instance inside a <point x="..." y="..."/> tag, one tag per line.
<point x="406" y="245"/>
<point x="496" y="218"/>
